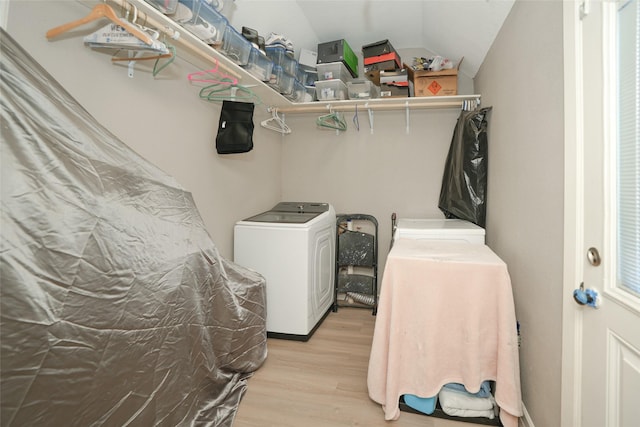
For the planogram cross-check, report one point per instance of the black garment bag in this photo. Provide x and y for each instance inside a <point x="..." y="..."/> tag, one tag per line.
<point x="464" y="183"/>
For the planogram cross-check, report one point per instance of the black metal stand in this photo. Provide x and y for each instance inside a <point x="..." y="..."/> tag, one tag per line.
<point x="356" y="262"/>
<point x="439" y="413"/>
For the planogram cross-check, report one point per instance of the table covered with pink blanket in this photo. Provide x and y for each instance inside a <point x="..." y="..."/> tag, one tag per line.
<point x="445" y="315"/>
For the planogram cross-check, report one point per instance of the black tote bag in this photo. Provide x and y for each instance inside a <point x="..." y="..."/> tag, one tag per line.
<point x="235" y="130"/>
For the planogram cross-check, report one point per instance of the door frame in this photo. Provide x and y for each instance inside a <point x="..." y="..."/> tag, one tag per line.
<point x="575" y="178"/>
<point x="573" y="213"/>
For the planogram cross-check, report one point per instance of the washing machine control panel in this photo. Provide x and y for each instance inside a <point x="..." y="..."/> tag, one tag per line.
<point x="291" y="212"/>
<point x="301" y="207"/>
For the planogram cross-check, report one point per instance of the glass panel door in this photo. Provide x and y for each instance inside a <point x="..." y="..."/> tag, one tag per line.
<point x="628" y="149"/>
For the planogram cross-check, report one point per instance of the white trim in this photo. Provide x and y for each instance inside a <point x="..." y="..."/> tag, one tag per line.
<point x="609" y="123"/>
<point x="4" y="13"/>
<point x="573" y="216"/>
<point x="525" y="420"/>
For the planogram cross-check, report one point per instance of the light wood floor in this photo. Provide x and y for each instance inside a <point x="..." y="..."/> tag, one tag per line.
<point x="322" y="382"/>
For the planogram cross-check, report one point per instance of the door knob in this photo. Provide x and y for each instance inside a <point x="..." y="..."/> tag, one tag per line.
<point x="593" y="256"/>
<point x="588" y="297"/>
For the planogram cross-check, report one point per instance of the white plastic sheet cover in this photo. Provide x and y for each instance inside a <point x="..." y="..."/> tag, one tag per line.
<point x="116" y="308"/>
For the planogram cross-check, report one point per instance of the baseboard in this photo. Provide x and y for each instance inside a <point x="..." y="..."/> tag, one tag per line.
<point x="525" y="419"/>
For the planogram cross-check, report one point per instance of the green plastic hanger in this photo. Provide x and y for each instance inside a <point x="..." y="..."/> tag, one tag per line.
<point x="225" y="90"/>
<point x="333" y="120"/>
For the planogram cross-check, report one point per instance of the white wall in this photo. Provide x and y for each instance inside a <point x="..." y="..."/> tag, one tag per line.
<point x="377" y="174"/>
<point x="522" y="78"/>
<point x="161" y="118"/>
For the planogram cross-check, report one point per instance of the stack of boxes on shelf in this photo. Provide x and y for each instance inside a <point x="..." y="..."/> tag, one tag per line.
<point x="272" y="63"/>
<point x="442" y="82"/>
<point x="386" y="75"/>
<point x="307" y="72"/>
<point x="207" y="23"/>
<point x="337" y="65"/>
<point x="382" y="66"/>
<point x="258" y="64"/>
<point x="288" y="78"/>
<point x="329" y="74"/>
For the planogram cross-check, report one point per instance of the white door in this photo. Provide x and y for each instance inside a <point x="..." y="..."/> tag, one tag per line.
<point x="601" y="362"/>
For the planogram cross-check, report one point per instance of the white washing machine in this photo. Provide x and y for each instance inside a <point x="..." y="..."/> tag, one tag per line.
<point x="293" y="247"/>
<point x="439" y="229"/>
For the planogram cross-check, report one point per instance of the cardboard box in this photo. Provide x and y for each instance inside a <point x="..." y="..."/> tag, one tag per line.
<point x="336" y="51"/>
<point x="433" y="83"/>
<point x="308" y="58"/>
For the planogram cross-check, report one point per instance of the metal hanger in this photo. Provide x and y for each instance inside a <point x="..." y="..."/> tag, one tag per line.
<point x="356" y="120"/>
<point x="275" y="122"/>
<point x="100" y="11"/>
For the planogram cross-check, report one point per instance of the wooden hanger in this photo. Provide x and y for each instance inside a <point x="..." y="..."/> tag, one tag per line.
<point x="100" y="11"/>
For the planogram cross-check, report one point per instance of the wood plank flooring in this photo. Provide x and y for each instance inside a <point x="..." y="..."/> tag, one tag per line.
<point x="322" y="382"/>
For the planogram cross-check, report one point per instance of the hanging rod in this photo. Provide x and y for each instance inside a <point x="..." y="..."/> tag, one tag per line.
<point x="175" y="31"/>
<point x="455" y="101"/>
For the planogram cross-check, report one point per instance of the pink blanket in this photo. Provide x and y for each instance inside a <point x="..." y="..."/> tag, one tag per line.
<point x="445" y="314"/>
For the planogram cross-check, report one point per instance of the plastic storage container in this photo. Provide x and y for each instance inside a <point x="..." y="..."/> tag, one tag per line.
<point x="235" y="46"/>
<point x="333" y="70"/>
<point x="164" y="6"/>
<point x="279" y="57"/>
<point x="281" y="81"/>
<point x="205" y="22"/>
<point x="311" y="93"/>
<point x="362" y="89"/>
<point x="299" y="93"/>
<point x="307" y="77"/>
<point x="259" y="65"/>
<point x="328" y="90"/>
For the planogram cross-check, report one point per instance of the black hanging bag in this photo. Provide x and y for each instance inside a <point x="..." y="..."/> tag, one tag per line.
<point x="464" y="182"/>
<point x="235" y="130"/>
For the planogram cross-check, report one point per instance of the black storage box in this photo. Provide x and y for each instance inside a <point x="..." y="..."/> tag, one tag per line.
<point x="380" y="56"/>
<point x="378" y="48"/>
<point x="386" y="62"/>
<point x="338" y="51"/>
